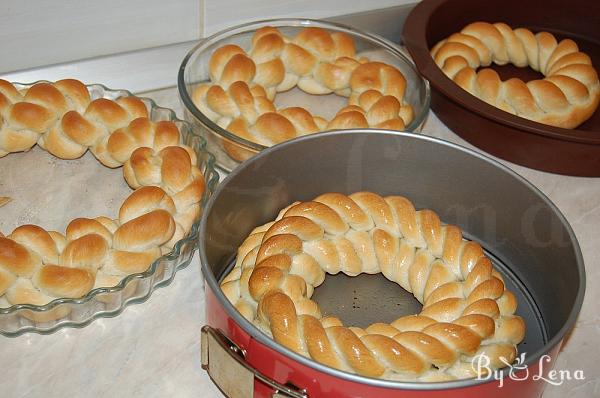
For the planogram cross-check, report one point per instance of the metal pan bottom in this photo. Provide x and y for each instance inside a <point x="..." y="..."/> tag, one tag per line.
<point x="365" y="299"/>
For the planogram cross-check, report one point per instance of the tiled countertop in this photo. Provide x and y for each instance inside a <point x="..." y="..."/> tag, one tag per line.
<point x="152" y="349"/>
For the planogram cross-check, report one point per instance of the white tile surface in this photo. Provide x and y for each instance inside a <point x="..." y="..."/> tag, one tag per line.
<point x="220" y="14"/>
<point x="154" y="68"/>
<point x="40" y="32"/>
<point x="152" y="349"/>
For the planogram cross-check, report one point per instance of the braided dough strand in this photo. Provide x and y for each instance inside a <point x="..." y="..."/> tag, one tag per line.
<point x="566" y="97"/>
<point x="38" y="266"/>
<point x="239" y="97"/>
<point x="466" y="309"/>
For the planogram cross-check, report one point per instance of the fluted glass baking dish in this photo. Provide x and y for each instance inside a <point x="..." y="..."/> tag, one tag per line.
<point x="134" y="288"/>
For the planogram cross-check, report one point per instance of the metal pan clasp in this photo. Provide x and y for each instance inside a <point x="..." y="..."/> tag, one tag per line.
<point x="226" y="365"/>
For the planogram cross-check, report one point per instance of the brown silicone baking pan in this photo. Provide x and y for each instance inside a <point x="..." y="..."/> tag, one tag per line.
<point x="563" y="151"/>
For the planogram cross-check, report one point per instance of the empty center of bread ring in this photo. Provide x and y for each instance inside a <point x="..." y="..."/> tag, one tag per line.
<point x="243" y="85"/>
<point x="568" y="94"/>
<point x="38" y="266"/>
<point x="466" y="309"/>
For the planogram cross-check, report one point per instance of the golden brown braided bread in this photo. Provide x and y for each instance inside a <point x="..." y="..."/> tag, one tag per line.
<point x="568" y="94"/>
<point x="37" y="266"/>
<point x="466" y="309"/>
<point x="243" y="85"/>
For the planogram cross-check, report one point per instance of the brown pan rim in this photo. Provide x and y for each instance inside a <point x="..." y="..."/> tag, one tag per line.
<point x="414" y="37"/>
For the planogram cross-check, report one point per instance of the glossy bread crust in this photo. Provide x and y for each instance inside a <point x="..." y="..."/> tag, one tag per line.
<point x="239" y="96"/>
<point x="568" y="94"/>
<point x="467" y="310"/>
<point x="38" y="266"/>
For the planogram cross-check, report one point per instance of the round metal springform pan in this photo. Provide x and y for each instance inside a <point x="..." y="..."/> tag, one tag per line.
<point x="524" y="234"/>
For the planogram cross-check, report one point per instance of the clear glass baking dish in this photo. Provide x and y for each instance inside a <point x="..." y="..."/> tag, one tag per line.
<point x="134" y="288"/>
<point x="194" y="71"/>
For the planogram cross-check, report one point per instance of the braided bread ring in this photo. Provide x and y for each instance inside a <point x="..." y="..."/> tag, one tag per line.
<point x="466" y="309"/>
<point x="566" y="97"/>
<point x="239" y="96"/>
<point x="38" y="266"/>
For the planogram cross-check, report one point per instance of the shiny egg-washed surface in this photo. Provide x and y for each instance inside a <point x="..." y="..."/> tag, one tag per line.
<point x="38" y="266"/>
<point x="243" y="85"/>
<point x="467" y="310"/>
<point x="568" y="94"/>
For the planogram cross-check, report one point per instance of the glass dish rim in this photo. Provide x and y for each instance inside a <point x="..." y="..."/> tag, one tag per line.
<point x="211" y="180"/>
<point x="289" y="22"/>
